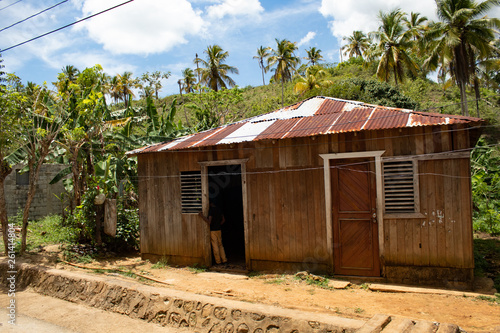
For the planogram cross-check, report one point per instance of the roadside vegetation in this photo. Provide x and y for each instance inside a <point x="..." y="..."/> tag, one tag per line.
<point x="87" y="119"/>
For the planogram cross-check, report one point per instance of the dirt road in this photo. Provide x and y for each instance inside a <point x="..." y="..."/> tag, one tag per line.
<point x="356" y="301"/>
<point x="43" y="314"/>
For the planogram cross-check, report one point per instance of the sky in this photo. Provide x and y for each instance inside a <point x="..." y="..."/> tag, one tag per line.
<point x="164" y="35"/>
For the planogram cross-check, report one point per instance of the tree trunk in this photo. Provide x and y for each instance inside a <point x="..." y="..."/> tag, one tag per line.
<point x="478" y="95"/>
<point x="75" y="172"/>
<point x="99" y="210"/>
<point x="262" y="68"/>
<point x="33" y="177"/>
<point x="463" y="99"/>
<point x="282" y="93"/>
<point x="5" y="170"/>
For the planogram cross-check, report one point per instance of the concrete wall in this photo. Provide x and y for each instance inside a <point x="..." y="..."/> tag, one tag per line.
<point x="45" y="201"/>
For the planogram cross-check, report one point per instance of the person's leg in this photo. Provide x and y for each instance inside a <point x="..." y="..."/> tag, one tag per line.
<point x="215" y="245"/>
<point x="221" y="248"/>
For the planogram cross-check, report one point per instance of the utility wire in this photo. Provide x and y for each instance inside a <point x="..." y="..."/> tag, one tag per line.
<point x="10" y="26"/>
<point x="12" y="4"/>
<point x="66" y="26"/>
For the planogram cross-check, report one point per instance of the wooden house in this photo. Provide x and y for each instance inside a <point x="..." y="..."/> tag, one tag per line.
<point x="324" y="185"/>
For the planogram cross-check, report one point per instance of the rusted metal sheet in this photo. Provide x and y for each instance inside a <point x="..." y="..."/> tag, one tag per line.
<point x="319" y="124"/>
<point x="330" y="106"/>
<point x="314" y="116"/>
<point x="383" y="118"/>
<point x="278" y="129"/>
<point x="351" y="121"/>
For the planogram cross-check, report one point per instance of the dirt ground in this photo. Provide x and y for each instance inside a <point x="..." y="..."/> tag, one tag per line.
<point x="471" y="313"/>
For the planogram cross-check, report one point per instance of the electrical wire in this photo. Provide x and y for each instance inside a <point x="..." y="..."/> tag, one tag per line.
<point x="29" y="17"/>
<point x="66" y="26"/>
<point x="12" y="4"/>
<point x="343" y="166"/>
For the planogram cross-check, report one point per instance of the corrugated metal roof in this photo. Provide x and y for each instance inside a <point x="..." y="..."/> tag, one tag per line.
<point x="314" y="116"/>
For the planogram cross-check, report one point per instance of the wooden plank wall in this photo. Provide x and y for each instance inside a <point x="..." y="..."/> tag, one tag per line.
<point x="442" y="237"/>
<point x="164" y="230"/>
<point x="286" y="203"/>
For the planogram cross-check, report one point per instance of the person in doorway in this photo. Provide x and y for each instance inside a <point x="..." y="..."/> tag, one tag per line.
<point x="215" y="220"/>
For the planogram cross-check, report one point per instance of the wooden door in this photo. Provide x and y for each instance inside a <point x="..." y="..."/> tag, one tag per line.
<point x="355" y="229"/>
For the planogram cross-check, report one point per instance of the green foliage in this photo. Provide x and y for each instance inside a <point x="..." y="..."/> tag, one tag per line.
<point x="490" y="299"/>
<point x="84" y="216"/>
<point x="127" y="229"/>
<point x="162" y="263"/>
<point x="197" y="269"/>
<point x="487" y="259"/>
<point x="213" y="108"/>
<point x="485" y="167"/>
<point x="368" y="91"/>
<point x="46" y="231"/>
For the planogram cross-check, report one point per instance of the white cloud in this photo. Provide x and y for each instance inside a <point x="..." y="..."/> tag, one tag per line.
<point x="86" y="60"/>
<point x="235" y="8"/>
<point x="142" y="27"/>
<point x="350" y="15"/>
<point x="307" y="38"/>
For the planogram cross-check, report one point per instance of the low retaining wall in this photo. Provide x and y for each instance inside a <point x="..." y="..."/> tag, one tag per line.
<point x="174" y="308"/>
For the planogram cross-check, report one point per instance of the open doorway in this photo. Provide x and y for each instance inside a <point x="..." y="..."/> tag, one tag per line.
<point x="225" y="189"/>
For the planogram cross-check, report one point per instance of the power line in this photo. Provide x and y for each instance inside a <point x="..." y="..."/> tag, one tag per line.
<point x="12" y="4"/>
<point x="66" y="26"/>
<point x="344" y="166"/>
<point x="10" y="26"/>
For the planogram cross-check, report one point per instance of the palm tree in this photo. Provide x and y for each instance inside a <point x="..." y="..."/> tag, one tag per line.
<point x="215" y="72"/>
<point x="197" y="61"/>
<point x="285" y="61"/>
<point x="393" y="42"/>
<point x="314" y="78"/>
<point x="461" y="38"/>
<point x="189" y="80"/>
<point x="357" y="44"/>
<point x="313" y="55"/>
<point x="68" y="76"/>
<point x="121" y="87"/>
<point x="262" y="54"/>
<point x="415" y="25"/>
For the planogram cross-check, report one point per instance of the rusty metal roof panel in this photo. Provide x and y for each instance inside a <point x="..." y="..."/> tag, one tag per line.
<point x="278" y="129"/>
<point x="382" y="118"/>
<point x="217" y="136"/>
<point x="331" y="106"/>
<point x="317" y="125"/>
<point x="313" y="116"/>
<point x="306" y="108"/>
<point x="351" y="121"/>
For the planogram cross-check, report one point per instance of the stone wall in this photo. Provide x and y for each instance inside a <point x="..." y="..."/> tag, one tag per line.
<point x="45" y="201"/>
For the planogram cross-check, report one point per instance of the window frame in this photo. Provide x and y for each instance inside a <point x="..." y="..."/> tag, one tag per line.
<point x="416" y="193"/>
<point x="191" y="192"/>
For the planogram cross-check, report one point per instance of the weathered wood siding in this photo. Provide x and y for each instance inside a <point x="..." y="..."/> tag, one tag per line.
<point x="286" y="200"/>
<point x="442" y="237"/>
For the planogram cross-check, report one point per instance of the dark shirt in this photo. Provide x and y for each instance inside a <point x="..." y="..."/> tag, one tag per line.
<point x="216" y="215"/>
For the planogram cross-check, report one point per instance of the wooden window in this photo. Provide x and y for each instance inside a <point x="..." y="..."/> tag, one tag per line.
<point x="191" y="192"/>
<point x="22" y="178"/>
<point x="400" y="187"/>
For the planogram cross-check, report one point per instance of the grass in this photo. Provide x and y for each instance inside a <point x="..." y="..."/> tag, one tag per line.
<point x="197" y="269"/>
<point x="491" y="299"/>
<point x="162" y="263"/>
<point x="46" y="231"/>
<point x="275" y="281"/>
<point x="487" y="259"/>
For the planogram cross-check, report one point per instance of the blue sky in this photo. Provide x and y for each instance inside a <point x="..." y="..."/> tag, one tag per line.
<point x="150" y="35"/>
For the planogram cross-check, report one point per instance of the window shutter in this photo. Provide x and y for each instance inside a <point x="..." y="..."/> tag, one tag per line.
<point x="399" y="187"/>
<point x="191" y="192"/>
